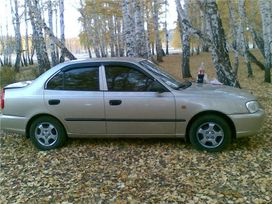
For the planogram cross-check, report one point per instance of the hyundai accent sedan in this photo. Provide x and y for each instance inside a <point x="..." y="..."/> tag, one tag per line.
<point x="126" y="97"/>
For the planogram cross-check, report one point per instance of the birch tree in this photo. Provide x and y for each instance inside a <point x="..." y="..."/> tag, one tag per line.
<point x="265" y="10"/>
<point x="243" y="41"/>
<point x="185" y="39"/>
<point x="52" y="45"/>
<point x="28" y="59"/>
<point x="37" y="36"/>
<point x="215" y="37"/>
<point x="140" y="44"/>
<point x="18" y="37"/>
<point x="62" y="35"/>
<point x="128" y="28"/>
<point x="166" y="29"/>
<point x="234" y="36"/>
<point x="158" y="43"/>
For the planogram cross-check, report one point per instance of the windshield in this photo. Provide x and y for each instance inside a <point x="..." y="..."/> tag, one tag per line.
<point x="165" y="77"/>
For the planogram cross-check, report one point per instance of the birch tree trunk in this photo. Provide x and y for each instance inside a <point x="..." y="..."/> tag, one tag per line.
<point x="57" y="31"/>
<point x="185" y="39"/>
<point x="26" y="34"/>
<point x="157" y="31"/>
<point x="215" y="37"/>
<point x="52" y="45"/>
<point x="112" y="36"/>
<point x="62" y="36"/>
<point x="220" y="55"/>
<point x="234" y="36"/>
<point x="243" y="41"/>
<point x="265" y="10"/>
<point x="37" y="37"/>
<point x="18" y="37"/>
<point x="166" y="29"/>
<point x="140" y="44"/>
<point x="128" y="28"/>
<point x="204" y="45"/>
<point x="119" y="38"/>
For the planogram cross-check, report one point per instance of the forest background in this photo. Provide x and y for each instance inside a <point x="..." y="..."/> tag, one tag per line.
<point x="138" y="28"/>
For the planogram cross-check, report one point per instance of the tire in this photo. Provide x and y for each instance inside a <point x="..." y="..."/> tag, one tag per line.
<point x="210" y="133"/>
<point x="47" y="133"/>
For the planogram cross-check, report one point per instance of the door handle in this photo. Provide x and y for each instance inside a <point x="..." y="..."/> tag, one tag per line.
<point x="115" y="102"/>
<point x="54" y="102"/>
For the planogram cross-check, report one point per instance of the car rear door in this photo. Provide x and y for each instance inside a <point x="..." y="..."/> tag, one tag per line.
<point x="73" y="95"/>
<point x="133" y="107"/>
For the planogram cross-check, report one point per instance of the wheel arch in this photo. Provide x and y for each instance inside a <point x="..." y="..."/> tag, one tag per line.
<point x="37" y="116"/>
<point x="217" y="113"/>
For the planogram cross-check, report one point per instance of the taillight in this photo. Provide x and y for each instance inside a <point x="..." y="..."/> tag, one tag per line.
<point x="2" y="99"/>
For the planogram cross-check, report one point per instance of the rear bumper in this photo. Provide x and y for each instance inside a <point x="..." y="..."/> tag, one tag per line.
<point x="15" y="124"/>
<point x="248" y="124"/>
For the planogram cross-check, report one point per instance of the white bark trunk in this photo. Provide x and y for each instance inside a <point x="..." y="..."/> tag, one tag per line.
<point x="128" y="28"/>
<point x="16" y="23"/>
<point x="62" y="35"/>
<point x="265" y="10"/>
<point x="215" y="38"/>
<point x="243" y="41"/>
<point x="38" y="38"/>
<point x="140" y="44"/>
<point x="157" y="31"/>
<point x="54" y="60"/>
<point x="185" y="39"/>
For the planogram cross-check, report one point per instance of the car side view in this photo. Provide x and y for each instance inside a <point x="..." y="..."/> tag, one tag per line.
<point x="126" y="97"/>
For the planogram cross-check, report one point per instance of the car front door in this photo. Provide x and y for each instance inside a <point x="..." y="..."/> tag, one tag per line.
<point x="133" y="104"/>
<point x="73" y="95"/>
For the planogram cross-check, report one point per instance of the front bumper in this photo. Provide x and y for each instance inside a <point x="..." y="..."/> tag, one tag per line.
<point x="248" y="124"/>
<point x="14" y="124"/>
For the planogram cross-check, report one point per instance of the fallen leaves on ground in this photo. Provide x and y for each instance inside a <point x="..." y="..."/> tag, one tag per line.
<point x="141" y="170"/>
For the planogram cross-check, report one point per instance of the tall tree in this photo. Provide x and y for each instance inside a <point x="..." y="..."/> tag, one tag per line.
<point x="128" y="27"/>
<point x="18" y="37"/>
<point x="159" y="50"/>
<point x="166" y="29"/>
<point x="234" y="36"/>
<point x="216" y="38"/>
<point x="243" y="41"/>
<point x="50" y="23"/>
<point x="140" y="44"/>
<point x="62" y="35"/>
<point x="29" y="59"/>
<point x="38" y="37"/>
<point x="265" y="10"/>
<point x="185" y="39"/>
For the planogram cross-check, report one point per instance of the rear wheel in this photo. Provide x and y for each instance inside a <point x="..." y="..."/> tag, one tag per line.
<point x="47" y="133"/>
<point x="211" y="133"/>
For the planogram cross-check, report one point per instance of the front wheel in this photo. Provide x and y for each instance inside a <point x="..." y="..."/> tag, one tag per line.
<point x="47" y="133"/>
<point x="211" y="133"/>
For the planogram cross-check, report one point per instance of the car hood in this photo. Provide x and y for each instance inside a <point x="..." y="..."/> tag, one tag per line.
<point x="18" y="85"/>
<point x="208" y="90"/>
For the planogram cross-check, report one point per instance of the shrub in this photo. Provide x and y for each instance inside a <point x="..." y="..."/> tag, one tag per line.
<point x="7" y="75"/>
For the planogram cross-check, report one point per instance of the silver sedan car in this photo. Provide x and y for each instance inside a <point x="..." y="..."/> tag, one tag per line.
<point x="126" y="97"/>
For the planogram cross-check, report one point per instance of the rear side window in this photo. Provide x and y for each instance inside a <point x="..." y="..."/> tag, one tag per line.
<point x="79" y="79"/>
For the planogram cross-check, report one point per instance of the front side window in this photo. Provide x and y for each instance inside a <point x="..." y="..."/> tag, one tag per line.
<point x="121" y="78"/>
<point x="78" y="79"/>
<point x="165" y="77"/>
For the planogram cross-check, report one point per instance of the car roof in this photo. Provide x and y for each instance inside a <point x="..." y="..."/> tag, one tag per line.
<point x="109" y="59"/>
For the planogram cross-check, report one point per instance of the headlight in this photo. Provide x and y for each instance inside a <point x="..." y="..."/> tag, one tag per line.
<point x="252" y="106"/>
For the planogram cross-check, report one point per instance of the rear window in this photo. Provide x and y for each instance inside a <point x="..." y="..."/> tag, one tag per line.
<point x="79" y="79"/>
